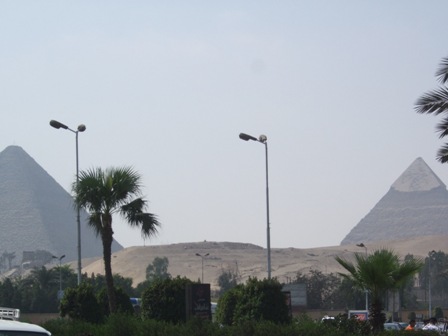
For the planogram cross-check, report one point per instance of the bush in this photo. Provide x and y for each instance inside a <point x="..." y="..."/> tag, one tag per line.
<point x="80" y="303"/>
<point x="164" y="300"/>
<point x="125" y="325"/>
<point x="121" y="325"/>
<point x="255" y="301"/>
<point x="227" y="304"/>
<point x="124" y="304"/>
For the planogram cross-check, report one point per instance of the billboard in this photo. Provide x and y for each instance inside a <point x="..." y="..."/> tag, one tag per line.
<point x="198" y="301"/>
<point x="360" y="315"/>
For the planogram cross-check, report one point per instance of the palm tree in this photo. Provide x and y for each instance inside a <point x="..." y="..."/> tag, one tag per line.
<point x="379" y="272"/>
<point x="40" y="288"/>
<point x="436" y="102"/>
<point x="103" y="193"/>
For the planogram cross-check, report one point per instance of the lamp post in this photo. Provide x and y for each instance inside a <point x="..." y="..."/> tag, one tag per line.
<point x="367" y="292"/>
<point x="202" y="257"/>
<point x="264" y="140"/>
<point x="60" y="274"/>
<point x="81" y="128"/>
<point x="429" y="283"/>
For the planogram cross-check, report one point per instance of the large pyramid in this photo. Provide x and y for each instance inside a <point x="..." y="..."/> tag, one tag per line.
<point x="37" y="214"/>
<point x="416" y="205"/>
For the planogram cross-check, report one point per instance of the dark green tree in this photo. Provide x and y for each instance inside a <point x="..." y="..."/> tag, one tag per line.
<point x="435" y="273"/>
<point x="41" y="287"/>
<point x="227" y="305"/>
<point x="165" y="300"/>
<point x="124" y="305"/>
<point x="226" y="280"/>
<point x="141" y="287"/>
<point x="158" y="270"/>
<point x="379" y="272"/>
<point x="407" y="295"/>
<point x="436" y="102"/>
<point x="98" y="283"/>
<point x="257" y="300"/>
<point x="68" y="276"/>
<point x="102" y="193"/>
<point x="320" y="289"/>
<point x="347" y="296"/>
<point x="9" y="294"/>
<point x="80" y="303"/>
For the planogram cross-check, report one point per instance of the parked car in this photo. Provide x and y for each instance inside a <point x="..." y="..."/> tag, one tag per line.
<point x="419" y="325"/>
<point x="14" y="328"/>
<point x="403" y="325"/>
<point x="392" y="326"/>
<point x="10" y="325"/>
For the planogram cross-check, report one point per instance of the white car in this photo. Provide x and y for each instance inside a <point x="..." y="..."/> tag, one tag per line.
<point x="392" y="326"/>
<point x="16" y="328"/>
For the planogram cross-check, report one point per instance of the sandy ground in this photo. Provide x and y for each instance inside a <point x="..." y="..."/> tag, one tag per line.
<point x="247" y="259"/>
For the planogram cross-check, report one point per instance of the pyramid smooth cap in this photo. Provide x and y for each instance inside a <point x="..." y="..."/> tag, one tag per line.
<point x="418" y="177"/>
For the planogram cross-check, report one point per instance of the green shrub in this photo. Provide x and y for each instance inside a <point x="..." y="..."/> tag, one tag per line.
<point x="121" y="325"/>
<point x="129" y="325"/>
<point x="124" y="304"/>
<point x="256" y="300"/>
<point x="80" y="303"/>
<point x="66" y="327"/>
<point x="227" y="303"/>
<point x="164" y="300"/>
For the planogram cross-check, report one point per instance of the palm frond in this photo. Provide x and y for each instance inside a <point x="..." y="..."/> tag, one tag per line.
<point x="433" y="102"/>
<point x="89" y="190"/>
<point x="123" y="185"/>
<point x="150" y="225"/>
<point x="406" y="271"/>
<point x="442" y="154"/>
<point x="442" y="128"/>
<point x="133" y="212"/>
<point x="442" y="72"/>
<point x="95" y="222"/>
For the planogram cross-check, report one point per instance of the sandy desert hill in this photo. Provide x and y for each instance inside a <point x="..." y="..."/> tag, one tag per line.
<point x="247" y="259"/>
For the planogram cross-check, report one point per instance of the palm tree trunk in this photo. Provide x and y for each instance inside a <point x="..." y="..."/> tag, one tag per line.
<point x="377" y="317"/>
<point x="106" y="237"/>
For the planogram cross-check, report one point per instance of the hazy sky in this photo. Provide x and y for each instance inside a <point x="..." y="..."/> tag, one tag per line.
<point x="167" y="86"/>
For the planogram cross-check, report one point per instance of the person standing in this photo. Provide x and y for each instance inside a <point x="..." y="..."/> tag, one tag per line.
<point x="431" y="325"/>
<point x="411" y="325"/>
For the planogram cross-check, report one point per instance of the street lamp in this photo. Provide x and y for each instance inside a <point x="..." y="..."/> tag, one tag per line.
<point x="60" y="274"/>
<point x="202" y="257"/>
<point x="264" y="140"/>
<point x="367" y="292"/>
<point x="429" y="283"/>
<point x="81" y="128"/>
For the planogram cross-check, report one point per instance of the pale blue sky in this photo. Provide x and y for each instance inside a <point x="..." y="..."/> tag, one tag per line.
<point x="166" y="87"/>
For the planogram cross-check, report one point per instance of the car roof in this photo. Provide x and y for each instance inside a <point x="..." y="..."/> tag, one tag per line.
<point x="6" y="325"/>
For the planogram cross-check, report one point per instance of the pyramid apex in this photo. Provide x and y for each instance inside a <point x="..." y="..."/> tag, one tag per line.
<point x="417" y="177"/>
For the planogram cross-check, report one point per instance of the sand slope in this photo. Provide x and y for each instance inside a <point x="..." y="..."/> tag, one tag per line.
<point x="247" y="259"/>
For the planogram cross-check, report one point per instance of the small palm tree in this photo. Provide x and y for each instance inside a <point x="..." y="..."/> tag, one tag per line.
<point x="436" y="102"/>
<point x="102" y="193"/>
<point x="379" y="272"/>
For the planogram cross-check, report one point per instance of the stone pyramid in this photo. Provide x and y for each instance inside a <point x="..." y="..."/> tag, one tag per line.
<point x="37" y="214"/>
<point x="415" y="205"/>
